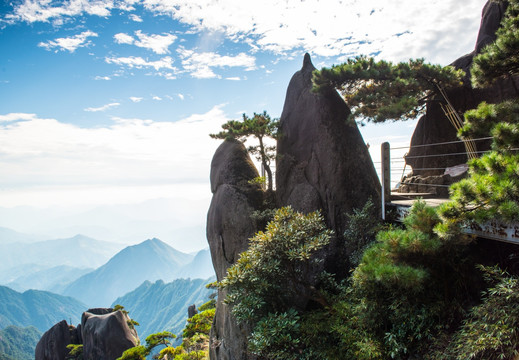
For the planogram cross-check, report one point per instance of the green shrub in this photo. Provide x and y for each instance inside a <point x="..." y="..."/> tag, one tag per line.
<point x="491" y="331"/>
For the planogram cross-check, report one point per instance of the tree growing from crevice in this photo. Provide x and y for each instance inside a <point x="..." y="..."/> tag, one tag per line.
<point x="379" y="91"/>
<point x="260" y="126"/>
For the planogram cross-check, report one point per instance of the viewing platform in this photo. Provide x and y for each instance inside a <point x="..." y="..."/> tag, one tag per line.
<point x="399" y="203"/>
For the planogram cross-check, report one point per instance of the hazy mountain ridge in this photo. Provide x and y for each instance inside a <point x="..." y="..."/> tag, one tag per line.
<point x="40" y="309"/>
<point x="53" y="279"/>
<point x="150" y="260"/>
<point x="163" y="306"/>
<point x="79" y="251"/>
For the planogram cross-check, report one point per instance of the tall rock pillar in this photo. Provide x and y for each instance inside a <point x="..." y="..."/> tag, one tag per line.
<point x="323" y="162"/>
<point x="229" y="226"/>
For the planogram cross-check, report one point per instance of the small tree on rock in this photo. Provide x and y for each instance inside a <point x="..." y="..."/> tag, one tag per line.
<point x="260" y="126"/>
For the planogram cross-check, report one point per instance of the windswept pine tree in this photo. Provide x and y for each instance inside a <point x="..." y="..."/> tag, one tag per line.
<point x="379" y="91"/>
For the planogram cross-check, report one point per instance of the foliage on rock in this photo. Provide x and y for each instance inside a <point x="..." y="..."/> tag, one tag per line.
<point x="492" y="188"/>
<point x="195" y="340"/>
<point x="378" y="91"/>
<point x="261" y="126"/>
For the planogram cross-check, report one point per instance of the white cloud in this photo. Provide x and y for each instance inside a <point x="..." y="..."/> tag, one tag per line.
<point x="139" y="63"/>
<point x="159" y="44"/>
<point x="200" y="65"/>
<point x="136" y="99"/>
<point x="103" y="78"/>
<point x="181" y="96"/>
<point x="135" y="18"/>
<point x="44" y="10"/>
<point x="157" y="98"/>
<point x="394" y="29"/>
<point x="17" y="117"/>
<point x="127" y="155"/>
<point x="102" y="108"/>
<point x="233" y="78"/>
<point x="69" y="43"/>
<point x="337" y="27"/>
<point x="122" y="38"/>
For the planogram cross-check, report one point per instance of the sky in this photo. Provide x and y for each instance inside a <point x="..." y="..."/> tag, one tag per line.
<point x="106" y="105"/>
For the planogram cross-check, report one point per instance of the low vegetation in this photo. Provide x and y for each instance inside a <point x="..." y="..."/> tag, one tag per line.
<point x="195" y="340"/>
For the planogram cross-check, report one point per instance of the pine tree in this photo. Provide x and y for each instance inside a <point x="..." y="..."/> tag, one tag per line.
<point x="492" y="189"/>
<point x="260" y="126"/>
<point x="379" y="91"/>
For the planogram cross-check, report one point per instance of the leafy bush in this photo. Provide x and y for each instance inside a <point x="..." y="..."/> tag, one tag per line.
<point x="275" y="279"/>
<point x="412" y="284"/>
<point x="491" y="331"/>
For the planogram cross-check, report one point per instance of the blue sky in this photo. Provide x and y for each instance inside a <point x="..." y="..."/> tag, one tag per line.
<point x="109" y="102"/>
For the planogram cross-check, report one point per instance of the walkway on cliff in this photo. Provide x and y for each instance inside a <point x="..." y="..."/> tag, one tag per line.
<point x="426" y="172"/>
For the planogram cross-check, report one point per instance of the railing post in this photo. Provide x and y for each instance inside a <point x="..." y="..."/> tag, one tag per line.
<point x="385" y="176"/>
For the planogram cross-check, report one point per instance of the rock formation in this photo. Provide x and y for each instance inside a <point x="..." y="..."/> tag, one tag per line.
<point x="104" y="333"/>
<point x="323" y="162"/>
<point x="53" y="343"/>
<point x="434" y="127"/>
<point x="229" y="226"/>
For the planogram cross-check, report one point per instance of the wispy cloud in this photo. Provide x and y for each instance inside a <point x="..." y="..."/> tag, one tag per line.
<point x="393" y="29"/>
<point x="102" y="78"/>
<point x="71" y="43"/>
<point x="181" y="96"/>
<point x="17" y="117"/>
<point x="102" y="108"/>
<point x="109" y="155"/>
<point x="136" y="99"/>
<point x="157" y="98"/>
<point x="200" y="65"/>
<point x="135" y="18"/>
<point x="44" y="11"/>
<point x="335" y="27"/>
<point x="139" y="63"/>
<point x="159" y="44"/>
<point x="122" y="38"/>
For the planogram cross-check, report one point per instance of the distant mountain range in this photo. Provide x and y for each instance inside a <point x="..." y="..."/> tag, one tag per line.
<point x="18" y="343"/>
<point x="150" y="260"/>
<point x="163" y="306"/>
<point x="79" y="252"/>
<point x="40" y="309"/>
<point x="53" y="279"/>
<point x="11" y="236"/>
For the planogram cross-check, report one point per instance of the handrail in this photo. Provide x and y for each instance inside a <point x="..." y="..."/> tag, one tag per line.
<point x="386" y="168"/>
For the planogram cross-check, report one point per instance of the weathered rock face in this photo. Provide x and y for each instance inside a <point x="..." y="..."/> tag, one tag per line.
<point x="434" y="127"/>
<point x="323" y="162"/>
<point x="53" y="344"/>
<point x="229" y="226"/>
<point x="106" y="335"/>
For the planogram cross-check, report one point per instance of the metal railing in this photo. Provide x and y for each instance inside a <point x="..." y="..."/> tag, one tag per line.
<point x="392" y="170"/>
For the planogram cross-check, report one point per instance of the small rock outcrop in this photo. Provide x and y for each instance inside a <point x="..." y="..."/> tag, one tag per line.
<point x="229" y="226"/>
<point x="53" y="343"/>
<point x="104" y="333"/>
<point x="434" y="127"/>
<point x="323" y="162"/>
